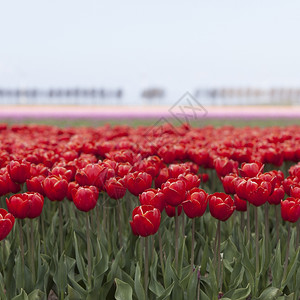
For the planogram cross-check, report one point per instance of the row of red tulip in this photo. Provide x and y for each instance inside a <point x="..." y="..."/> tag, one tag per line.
<point x="66" y="164"/>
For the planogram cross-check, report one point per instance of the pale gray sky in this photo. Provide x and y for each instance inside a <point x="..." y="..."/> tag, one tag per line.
<point x="132" y="44"/>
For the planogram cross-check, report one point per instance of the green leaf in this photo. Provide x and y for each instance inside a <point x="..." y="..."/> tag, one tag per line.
<point x="270" y="293"/>
<point x="204" y="260"/>
<point x="277" y="268"/>
<point x="79" y="259"/>
<point x="124" y="290"/>
<point x="167" y="292"/>
<point x="237" y="275"/>
<point x="139" y="290"/>
<point x="249" y="267"/>
<point x="242" y="293"/>
<point x="180" y="256"/>
<point x="203" y="296"/>
<point x="60" y="276"/>
<point x="78" y="288"/>
<point x="192" y="285"/>
<point x="113" y="270"/>
<point x="21" y="296"/>
<point x="2" y="289"/>
<point x="36" y="295"/>
<point x="292" y="269"/>
<point x="73" y="294"/>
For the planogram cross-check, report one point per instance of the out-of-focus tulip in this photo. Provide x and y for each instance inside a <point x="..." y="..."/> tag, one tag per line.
<point x="251" y="169"/>
<point x="162" y="177"/>
<point x="277" y="195"/>
<point x="240" y="204"/>
<point x="171" y="210"/>
<point x="35" y="184"/>
<point x="72" y="188"/>
<point x="225" y="166"/>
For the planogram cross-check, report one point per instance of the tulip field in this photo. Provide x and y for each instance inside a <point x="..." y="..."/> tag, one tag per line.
<point x="123" y="212"/>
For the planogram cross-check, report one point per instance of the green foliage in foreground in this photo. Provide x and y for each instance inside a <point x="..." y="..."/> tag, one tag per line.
<point x="118" y="258"/>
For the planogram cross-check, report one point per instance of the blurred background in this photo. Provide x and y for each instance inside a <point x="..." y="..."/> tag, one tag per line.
<point x="129" y="54"/>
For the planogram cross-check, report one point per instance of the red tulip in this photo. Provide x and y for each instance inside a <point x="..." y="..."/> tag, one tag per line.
<point x="251" y="169"/>
<point x="221" y="206"/>
<point x="229" y="183"/>
<point x="92" y="174"/>
<point x="295" y="191"/>
<point x="123" y="169"/>
<point x="290" y="209"/>
<point x="138" y="182"/>
<point x="171" y="210"/>
<point x="240" y="204"/>
<point x="72" y="188"/>
<point x="63" y="172"/>
<point x="153" y="197"/>
<point x="258" y="191"/>
<point x="55" y="187"/>
<point x="35" y="184"/>
<point x="277" y="196"/>
<point x="145" y="220"/>
<point x="195" y="203"/>
<point x="86" y="198"/>
<point x="162" y="177"/>
<point x="26" y="205"/>
<point x="191" y="180"/>
<point x="225" y="166"/>
<point x="19" y="171"/>
<point x="115" y="187"/>
<point x="174" y="191"/>
<point x="177" y="169"/>
<point x="7" y="222"/>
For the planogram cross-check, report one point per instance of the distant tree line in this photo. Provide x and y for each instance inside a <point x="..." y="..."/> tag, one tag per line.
<point x="61" y="92"/>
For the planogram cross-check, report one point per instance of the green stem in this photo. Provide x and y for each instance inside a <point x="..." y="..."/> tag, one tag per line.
<point x="22" y="251"/>
<point x="42" y="219"/>
<point x="193" y="244"/>
<point x="277" y="221"/>
<point x="182" y="223"/>
<point x="248" y="225"/>
<point x="256" y="248"/>
<point x="60" y="227"/>
<point x="88" y="242"/>
<point x="298" y="234"/>
<point x="161" y="252"/>
<point x="98" y="221"/>
<point x="242" y="215"/>
<point x="219" y="254"/>
<point x="287" y="252"/>
<point x="32" y="249"/>
<point x="119" y="217"/>
<point x="146" y="267"/>
<point x="176" y="238"/>
<point x="267" y="228"/>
